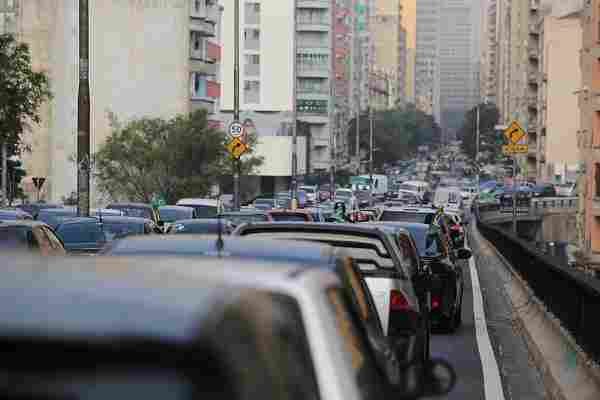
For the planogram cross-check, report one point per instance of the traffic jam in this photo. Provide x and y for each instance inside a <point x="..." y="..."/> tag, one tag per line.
<point x="331" y="292"/>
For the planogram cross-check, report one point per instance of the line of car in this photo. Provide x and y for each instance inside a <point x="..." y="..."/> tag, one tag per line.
<point x="378" y="290"/>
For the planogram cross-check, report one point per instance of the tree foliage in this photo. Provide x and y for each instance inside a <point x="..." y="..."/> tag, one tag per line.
<point x="397" y="133"/>
<point x="22" y="91"/>
<point x="489" y="140"/>
<point x="175" y="158"/>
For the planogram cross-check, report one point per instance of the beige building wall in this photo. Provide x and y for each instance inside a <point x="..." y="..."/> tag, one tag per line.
<point x="138" y="67"/>
<point x="409" y="22"/>
<point x="562" y="46"/>
<point x="385" y="31"/>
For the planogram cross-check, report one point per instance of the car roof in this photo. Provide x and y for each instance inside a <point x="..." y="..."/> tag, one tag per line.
<point x="22" y="222"/>
<point x="404" y="225"/>
<point x="126" y="204"/>
<point x="198" y="202"/>
<point x="60" y="210"/>
<point x="183" y="208"/>
<point x="162" y="297"/>
<point x="244" y="212"/>
<point x="311" y="227"/>
<point x="422" y="210"/>
<point x="107" y="218"/>
<point x="233" y="246"/>
<point x="203" y="221"/>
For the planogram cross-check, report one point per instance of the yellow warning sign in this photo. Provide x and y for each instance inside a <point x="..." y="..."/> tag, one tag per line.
<point x="515" y="148"/>
<point x="514" y="133"/>
<point x="236" y="147"/>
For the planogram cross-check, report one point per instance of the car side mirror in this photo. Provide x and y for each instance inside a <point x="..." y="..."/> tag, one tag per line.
<point x="463" y="254"/>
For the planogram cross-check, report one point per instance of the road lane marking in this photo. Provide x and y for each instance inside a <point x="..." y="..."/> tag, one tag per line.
<point x="491" y="374"/>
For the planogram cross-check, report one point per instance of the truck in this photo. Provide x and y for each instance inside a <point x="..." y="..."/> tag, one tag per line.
<point x="362" y="182"/>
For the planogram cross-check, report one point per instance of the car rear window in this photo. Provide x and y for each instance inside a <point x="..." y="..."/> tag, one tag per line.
<point x="244" y="219"/>
<point x="203" y="211"/>
<point x="137" y="212"/>
<point x="170" y="215"/>
<point x="289" y="217"/>
<point x="80" y="233"/>
<point x="406" y="216"/>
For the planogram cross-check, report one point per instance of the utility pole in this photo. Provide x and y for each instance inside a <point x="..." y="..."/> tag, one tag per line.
<point x="333" y="121"/>
<point x="514" y="196"/>
<point x="371" y="153"/>
<point x="294" y="111"/>
<point x="477" y="150"/>
<point x="4" y="172"/>
<point x="355" y="56"/>
<point x="236" y="98"/>
<point x="83" y="114"/>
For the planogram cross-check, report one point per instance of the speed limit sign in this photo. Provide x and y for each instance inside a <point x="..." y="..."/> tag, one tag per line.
<point x="236" y="129"/>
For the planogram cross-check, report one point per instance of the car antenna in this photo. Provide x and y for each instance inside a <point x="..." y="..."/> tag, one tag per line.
<point x="219" y="243"/>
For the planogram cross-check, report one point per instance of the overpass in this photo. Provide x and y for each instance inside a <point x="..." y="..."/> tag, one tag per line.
<point x="538" y="220"/>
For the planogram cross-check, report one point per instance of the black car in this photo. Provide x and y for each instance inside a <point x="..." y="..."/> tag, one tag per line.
<point x="90" y="235"/>
<point x="447" y="281"/>
<point x="543" y="190"/>
<point x="31" y="236"/>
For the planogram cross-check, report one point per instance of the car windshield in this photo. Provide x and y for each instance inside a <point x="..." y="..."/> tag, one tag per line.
<point x="308" y="190"/>
<point x="288" y="217"/>
<point x="173" y="214"/>
<point x="201" y="211"/>
<point x="55" y="217"/>
<point x="81" y="233"/>
<point x="138" y="212"/>
<point x="238" y="219"/>
<point x="427" y="243"/>
<point x="114" y="230"/>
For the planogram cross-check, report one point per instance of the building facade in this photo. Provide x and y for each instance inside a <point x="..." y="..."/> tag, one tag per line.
<point x="409" y="23"/>
<point x="147" y="59"/>
<point x="268" y="31"/>
<point x="589" y="135"/>
<point x="426" y="57"/>
<point x="458" y="59"/>
<point x="389" y="46"/>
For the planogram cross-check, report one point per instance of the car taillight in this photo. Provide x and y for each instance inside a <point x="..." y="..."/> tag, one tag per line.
<point x="435" y="302"/>
<point x="398" y="301"/>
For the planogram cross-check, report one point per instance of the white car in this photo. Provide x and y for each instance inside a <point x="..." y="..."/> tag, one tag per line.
<point x="311" y="193"/>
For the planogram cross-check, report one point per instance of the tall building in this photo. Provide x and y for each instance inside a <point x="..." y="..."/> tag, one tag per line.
<point x="267" y="67"/>
<point x="426" y="71"/>
<point x="489" y="52"/>
<point x="589" y="135"/>
<point x="409" y="23"/>
<point x="389" y="43"/>
<point x="147" y="59"/>
<point x="458" y="63"/>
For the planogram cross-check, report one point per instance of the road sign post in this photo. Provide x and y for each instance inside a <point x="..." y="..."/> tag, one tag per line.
<point x="514" y="134"/>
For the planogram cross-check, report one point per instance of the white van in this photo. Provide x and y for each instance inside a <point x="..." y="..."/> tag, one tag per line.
<point x="418" y="188"/>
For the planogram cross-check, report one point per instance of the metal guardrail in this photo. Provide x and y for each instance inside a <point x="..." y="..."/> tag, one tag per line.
<point x="572" y="296"/>
<point x="532" y="207"/>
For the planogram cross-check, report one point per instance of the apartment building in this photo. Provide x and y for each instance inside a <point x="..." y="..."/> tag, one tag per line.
<point x="389" y="46"/>
<point x="268" y="29"/>
<point x="147" y="59"/>
<point x="426" y="58"/>
<point x="489" y="75"/>
<point x="409" y="23"/>
<point x="589" y="135"/>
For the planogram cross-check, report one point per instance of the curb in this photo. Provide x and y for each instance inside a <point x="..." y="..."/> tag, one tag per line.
<point x="553" y="386"/>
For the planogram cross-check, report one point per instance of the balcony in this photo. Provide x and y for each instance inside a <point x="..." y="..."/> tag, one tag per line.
<point x="251" y="97"/>
<point x="532" y="101"/>
<point x="313" y="44"/>
<point x="252" y="44"/>
<point x="319" y="142"/>
<point x="313" y="3"/>
<point x="313" y="71"/>
<point x="534" y="5"/>
<point x="202" y="27"/>
<point x="533" y="52"/>
<point x="596" y="206"/>
<point x="595" y="100"/>
<point x="204" y="89"/>
<point x="312" y="25"/>
<point x="252" y="69"/>
<point x="534" y="29"/>
<point x="252" y="14"/>
<point x="203" y="11"/>
<point x="204" y="58"/>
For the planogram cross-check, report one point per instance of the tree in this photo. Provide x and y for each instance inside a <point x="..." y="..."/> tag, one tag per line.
<point x="175" y="158"/>
<point x="489" y="139"/>
<point x="397" y="133"/>
<point x="22" y="91"/>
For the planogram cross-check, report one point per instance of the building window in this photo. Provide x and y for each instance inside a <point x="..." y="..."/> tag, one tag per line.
<point x="197" y="5"/>
<point x="251" y="92"/>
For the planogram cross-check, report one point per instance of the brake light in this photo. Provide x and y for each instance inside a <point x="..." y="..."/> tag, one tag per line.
<point x="435" y="302"/>
<point x="398" y="301"/>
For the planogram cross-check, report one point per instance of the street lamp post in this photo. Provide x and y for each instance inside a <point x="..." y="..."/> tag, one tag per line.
<point x="83" y="114"/>
<point x="477" y="149"/>
<point x="371" y="153"/>
<point x="294" y="183"/>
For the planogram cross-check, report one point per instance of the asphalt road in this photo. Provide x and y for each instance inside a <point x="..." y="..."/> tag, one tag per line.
<point x="506" y="368"/>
